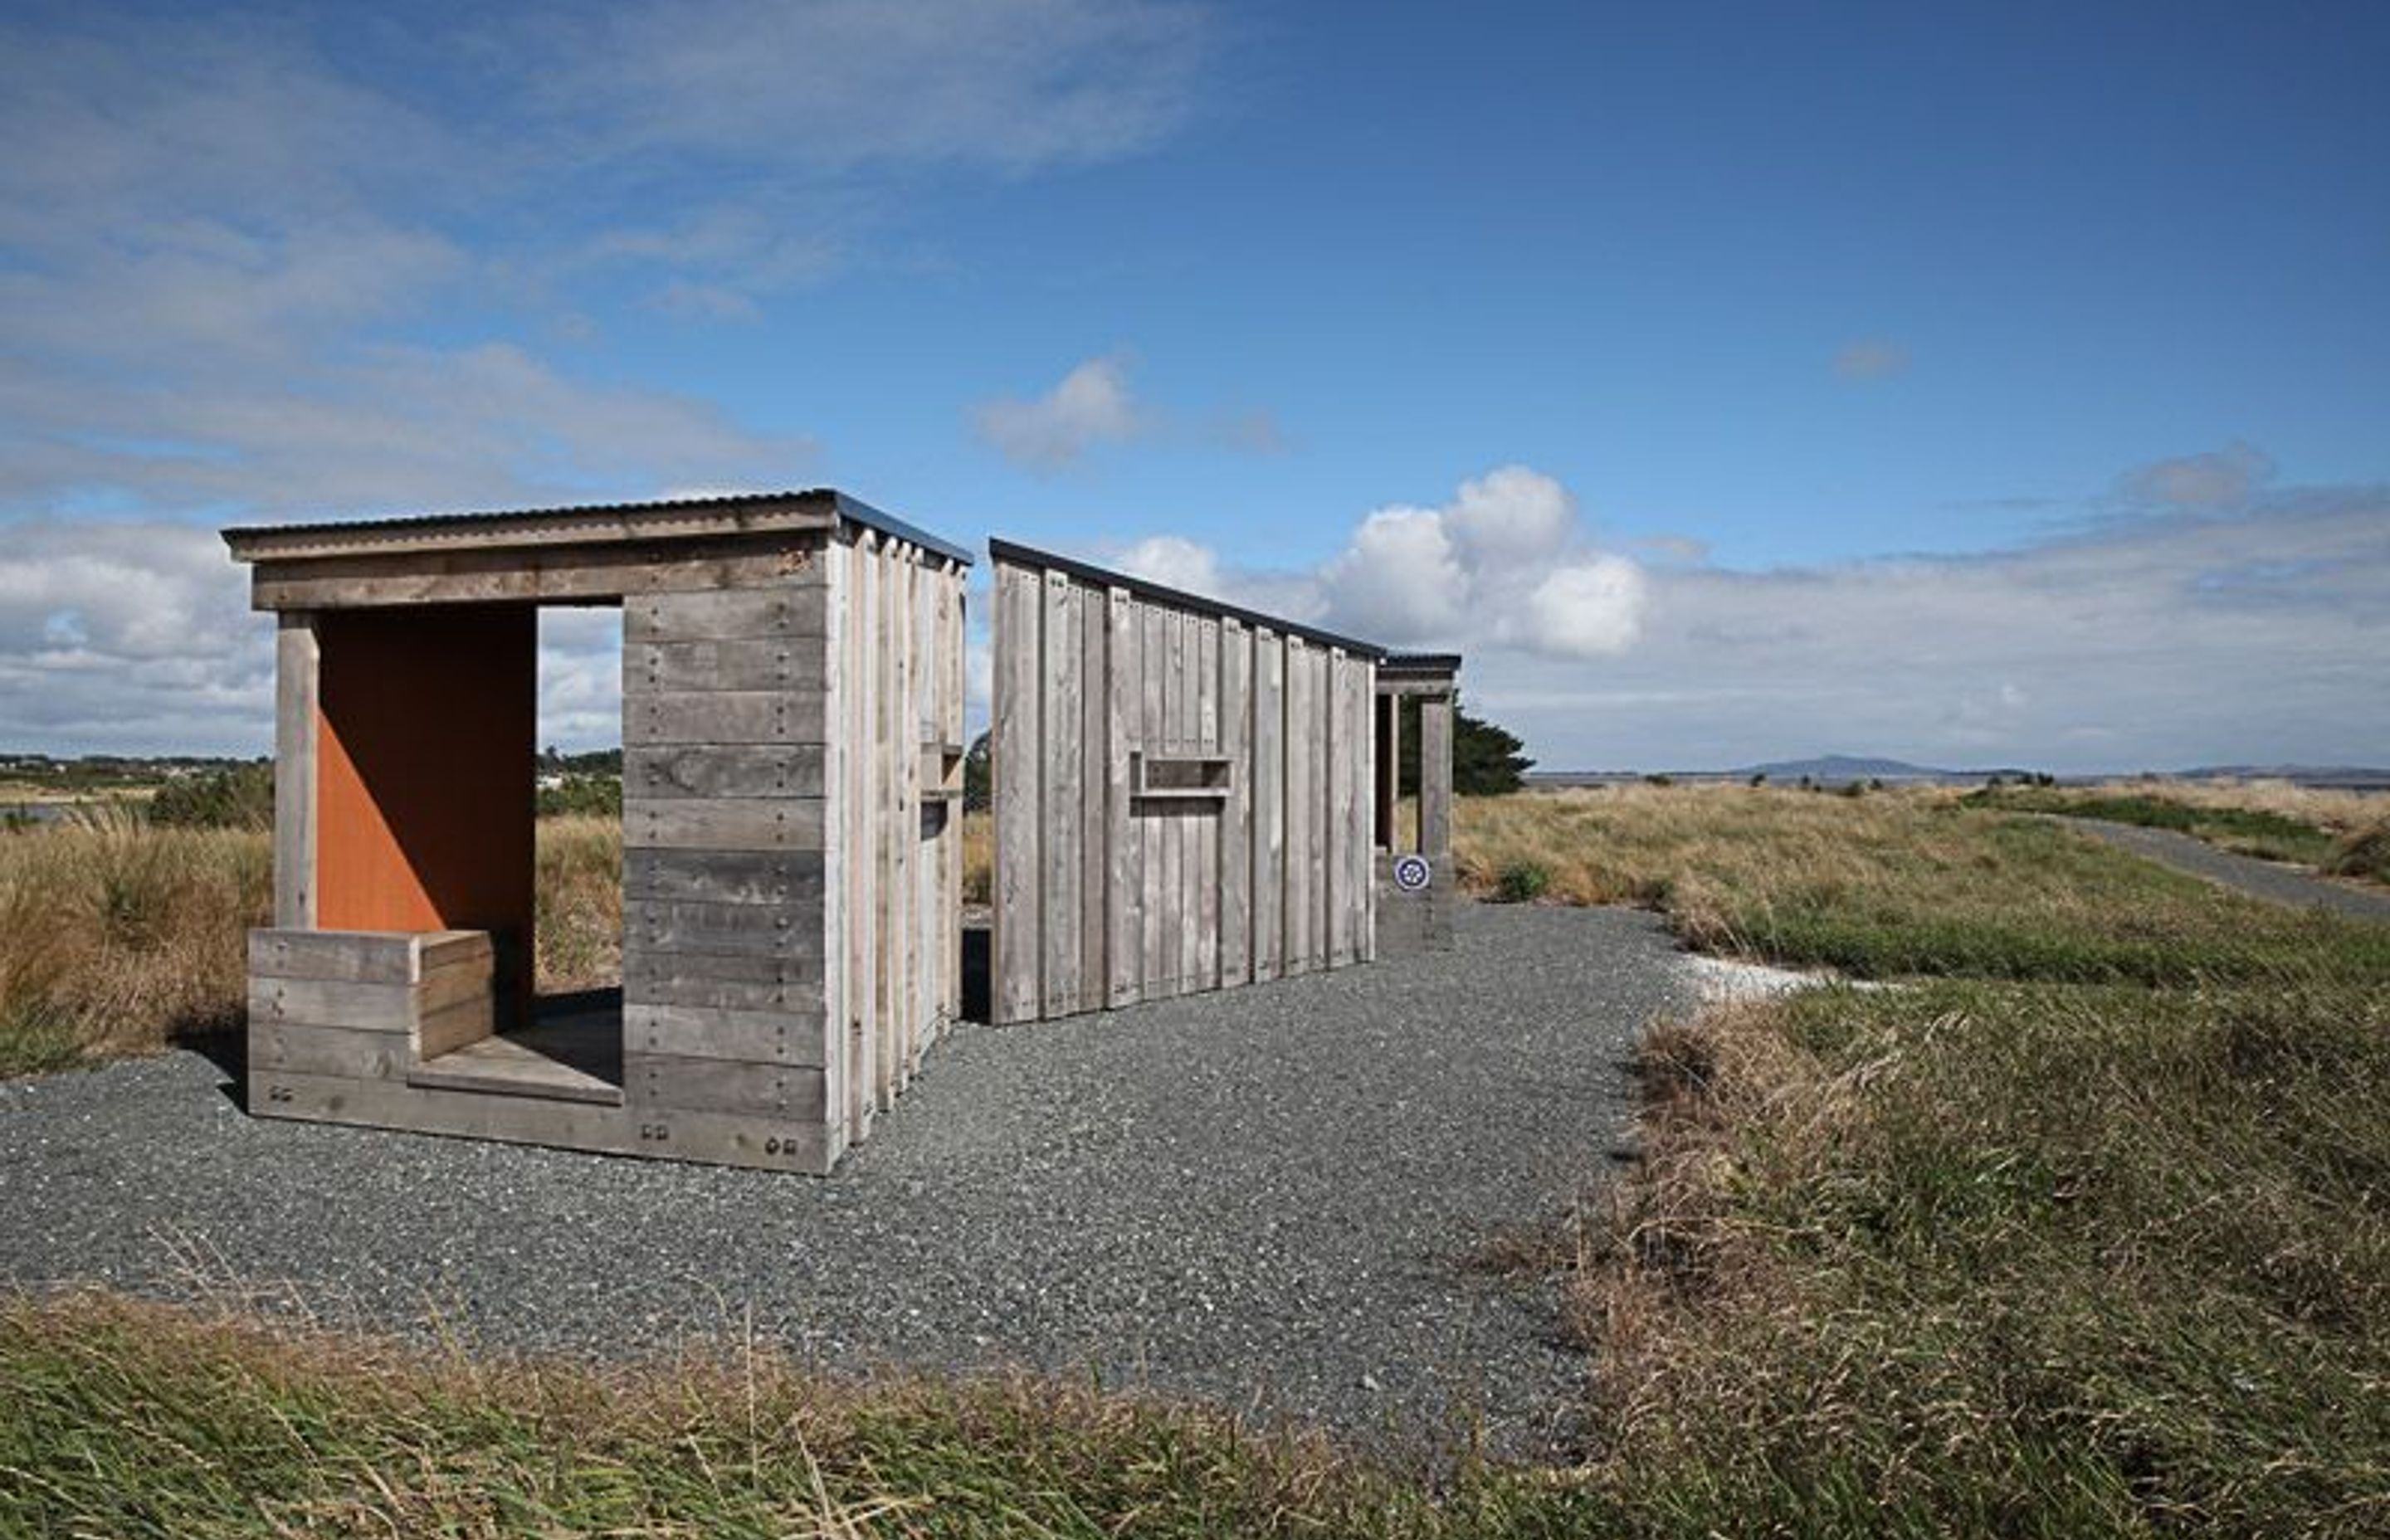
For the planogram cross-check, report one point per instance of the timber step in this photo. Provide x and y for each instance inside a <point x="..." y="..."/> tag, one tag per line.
<point x="574" y="1058"/>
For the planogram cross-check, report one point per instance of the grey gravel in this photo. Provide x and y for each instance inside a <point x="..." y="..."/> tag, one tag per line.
<point x="1264" y="1198"/>
<point x="2247" y="874"/>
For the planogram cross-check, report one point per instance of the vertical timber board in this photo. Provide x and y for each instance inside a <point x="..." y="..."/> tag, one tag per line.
<point x="1268" y="804"/>
<point x="1059" y="873"/>
<point x="1179" y="708"/>
<point x="1121" y="937"/>
<point x="1302" y="809"/>
<point x="836" y="843"/>
<point x="951" y="924"/>
<point x="1337" y="809"/>
<point x="1200" y="922"/>
<point x="1436" y="780"/>
<point x="1236" y="836"/>
<point x="1364" y="852"/>
<point x="1153" y="672"/>
<point x="298" y="660"/>
<point x="903" y="748"/>
<point x="1093" y="809"/>
<point x="863" y="918"/>
<point x="887" y="1055"/>
<point x="1017" y="765"/>
<point x="1323" y="795"/>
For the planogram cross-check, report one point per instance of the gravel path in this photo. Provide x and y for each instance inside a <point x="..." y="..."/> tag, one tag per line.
<point x="2261" y="878"/>
<point x="1263" y="1197"/>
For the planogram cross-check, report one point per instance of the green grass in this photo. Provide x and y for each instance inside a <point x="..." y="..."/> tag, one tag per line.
<point x="126" y="1419"/>
<point x="2252" y="831"/>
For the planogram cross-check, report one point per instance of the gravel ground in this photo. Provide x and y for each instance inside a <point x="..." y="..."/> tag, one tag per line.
<point x="1266" y="1198"/>
<point x="2261" y="878"/>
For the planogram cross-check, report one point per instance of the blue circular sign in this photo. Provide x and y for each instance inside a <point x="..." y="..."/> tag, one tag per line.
<point x="1412" y="873"/>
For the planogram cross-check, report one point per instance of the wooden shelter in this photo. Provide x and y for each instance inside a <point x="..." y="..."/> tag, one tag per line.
<point x="1183" y="788"/>
<point x="1417" y="884"/>
<point x="792" y="725"/>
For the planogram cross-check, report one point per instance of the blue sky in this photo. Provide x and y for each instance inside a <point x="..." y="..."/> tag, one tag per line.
<point x="1968" y="383"/>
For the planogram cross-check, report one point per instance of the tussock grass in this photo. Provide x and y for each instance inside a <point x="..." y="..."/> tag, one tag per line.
<point x="118" y="937"/>
<point x="1896" y="884"/>
<point x="124" y="1418"/>
<point x="2001" y="1258"/>
<point x="578" y="928"/>
<point x="2340" y="833"/>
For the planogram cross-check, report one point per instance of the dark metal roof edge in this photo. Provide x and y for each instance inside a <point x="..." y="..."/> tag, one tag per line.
<point x="399" y="522"/>
<point x="1424" y="663"/>
<point x="856" y="510"/>
<point x="1006" y="550"/>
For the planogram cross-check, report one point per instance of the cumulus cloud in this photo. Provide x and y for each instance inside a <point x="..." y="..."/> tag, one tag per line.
<point x="129" y="635"/>
<point x="1175" y="563"/>
<point x="1506" y="562"/>
<point x="1870" y="358"/>
<point x="2168" y="641"/>
<point x="1091" y="405"/>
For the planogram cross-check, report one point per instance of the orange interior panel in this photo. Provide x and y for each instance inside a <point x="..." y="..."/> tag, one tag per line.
<point x="425" y="761"/>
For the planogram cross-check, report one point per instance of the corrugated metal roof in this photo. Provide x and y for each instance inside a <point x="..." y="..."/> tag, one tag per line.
<point x="1029" y="555"/>
<point x="853" y="510"/>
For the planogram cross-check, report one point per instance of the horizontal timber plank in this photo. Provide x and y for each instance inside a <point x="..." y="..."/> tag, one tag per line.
<point x="724" y="770"/>
<point x="723" y="824"/>
<point x="787" y="876"/>
<point x="558" y="574"/>
<point x="791" y="609"/>
<point x="366" y="1008"/>
<point x="451" y="1027"/>
<point x="718" y="1138"/>
<point x="677" y="928"/>
<point x="351" y="957"/>
<point x="667" y="1082"/>
<point x="310" y="1048"/>
<point x="768" y="663"/>
<point x="792" y="1036"/>
<point x="724" y="717"/>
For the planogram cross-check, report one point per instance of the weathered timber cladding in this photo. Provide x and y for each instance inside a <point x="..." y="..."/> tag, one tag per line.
<point x="1183" y="793"/>
<point x="793" y="720"/>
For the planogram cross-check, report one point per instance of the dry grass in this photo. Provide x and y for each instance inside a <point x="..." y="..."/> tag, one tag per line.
<point x="2327" y="809"/>
<point x="1888" y="884"/>
<point x="118" y="938"/>
<point x="128" y="1418"/>
<point x="979" y="858"/>
<point x="579" y="928"/>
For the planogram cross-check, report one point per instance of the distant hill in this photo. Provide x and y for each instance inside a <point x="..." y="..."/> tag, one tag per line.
<point x="1840" y="769"/>
<point x="1859" y="767"/>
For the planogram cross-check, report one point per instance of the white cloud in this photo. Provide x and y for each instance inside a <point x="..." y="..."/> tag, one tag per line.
<point x="2176" y="640"/>
<point x="1175" y="563"/>
<point x="1091" y="405"/>
<point x="837" y="85"/>
<point x="132" y="636"/>
<point x="1587" y="608"/>
<point x="1506" y="563"/>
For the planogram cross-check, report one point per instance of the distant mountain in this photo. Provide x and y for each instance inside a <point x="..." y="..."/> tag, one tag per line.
<point x="1859" y="767"/>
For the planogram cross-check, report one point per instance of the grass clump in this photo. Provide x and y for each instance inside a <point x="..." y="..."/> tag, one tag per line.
<point x="2271" y="820"/>
<point x="118" y="937"/>
<point x="2000" y="1258"/>
<point x="126" y="1418"/>
<point x="1899" y="884"/>
<point x="1522" y="882"/>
